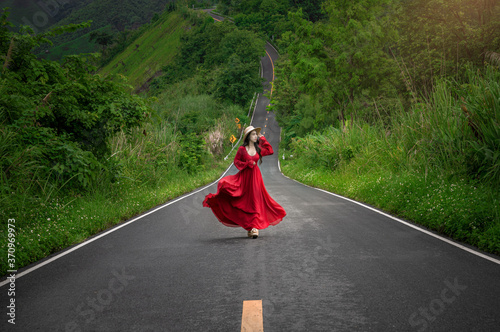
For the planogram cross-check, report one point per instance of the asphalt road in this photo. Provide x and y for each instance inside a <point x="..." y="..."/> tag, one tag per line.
<point x="330" y="265"/>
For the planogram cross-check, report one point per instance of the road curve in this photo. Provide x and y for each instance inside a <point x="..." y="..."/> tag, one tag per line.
<point x="330" y="265"/>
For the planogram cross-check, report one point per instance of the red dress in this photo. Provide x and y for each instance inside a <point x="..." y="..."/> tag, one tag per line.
<point x="241" y="199"/>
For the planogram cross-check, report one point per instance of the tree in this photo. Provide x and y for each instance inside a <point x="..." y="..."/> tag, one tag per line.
<point x="437" y="38"/>
<point x="302" y="82"/>
<point x="357" y="37"/>
<point x="102" y="38"/>
<point x="236" y="81"/>
<point x="61" y="110"/>
<point x="311" y="9"/>
<point x="247" y="45"/>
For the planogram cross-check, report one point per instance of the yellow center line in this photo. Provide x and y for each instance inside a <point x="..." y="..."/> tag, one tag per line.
<point x="251" y="319"/>
<point x="272" y="82"/>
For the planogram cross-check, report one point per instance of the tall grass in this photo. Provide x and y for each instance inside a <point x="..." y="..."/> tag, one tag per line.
<point x="481" y="105"/>
<point x="436" y="164"/>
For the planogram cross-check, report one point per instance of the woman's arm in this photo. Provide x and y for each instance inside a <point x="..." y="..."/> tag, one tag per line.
<point x="240" y="161"/>
<point x="265" y="148"/>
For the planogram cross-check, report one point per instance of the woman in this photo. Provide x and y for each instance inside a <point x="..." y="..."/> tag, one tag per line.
<point x="241" y="199"/>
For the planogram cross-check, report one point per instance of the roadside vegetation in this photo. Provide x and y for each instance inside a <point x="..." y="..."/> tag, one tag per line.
<point x="444" y="179"/>
<point x="393" y="103"/>
<point x="79" y="152"/>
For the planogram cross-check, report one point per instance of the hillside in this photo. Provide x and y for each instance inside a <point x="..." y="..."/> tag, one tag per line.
<point x="126" y="14"/>
<point x="145" y="57"/>
<point x="112" y="15"/>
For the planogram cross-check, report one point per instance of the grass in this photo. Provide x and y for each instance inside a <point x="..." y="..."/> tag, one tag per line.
<point x="436" y="164"/>
<point x="465" y="211"/>
<point x="145" y="57"/>
<point x="46" y="227"/>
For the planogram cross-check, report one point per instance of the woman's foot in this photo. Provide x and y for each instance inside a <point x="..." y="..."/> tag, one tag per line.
<point x="254" y="232"/>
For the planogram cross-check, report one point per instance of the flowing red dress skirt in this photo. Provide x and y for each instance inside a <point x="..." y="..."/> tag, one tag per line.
<point x="241" y="199"/>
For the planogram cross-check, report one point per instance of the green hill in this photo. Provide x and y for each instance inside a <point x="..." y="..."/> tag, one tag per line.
<point x="115" y="16"/>
<point x="125" y="14"/>
<point x="145" y="57"/>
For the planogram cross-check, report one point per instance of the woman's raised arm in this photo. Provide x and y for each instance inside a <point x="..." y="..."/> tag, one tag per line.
<point x="265" y="148"/>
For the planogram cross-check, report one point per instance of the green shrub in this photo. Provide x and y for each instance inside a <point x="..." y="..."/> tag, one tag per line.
<point x="481" y="107"/>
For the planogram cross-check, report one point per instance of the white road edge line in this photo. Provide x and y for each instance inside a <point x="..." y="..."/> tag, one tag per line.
<point x="6" y="281"/>
<point x="474" y="252"/>
<point x="110" y="231"/>
<point x="274" y="48"/>
<point x="458" y="245"/>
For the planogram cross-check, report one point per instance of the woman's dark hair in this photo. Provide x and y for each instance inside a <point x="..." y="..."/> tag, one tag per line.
<point x="256" y="144"/>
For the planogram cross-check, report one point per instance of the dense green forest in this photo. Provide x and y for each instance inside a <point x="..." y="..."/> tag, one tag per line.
<point x="393" y="103"/>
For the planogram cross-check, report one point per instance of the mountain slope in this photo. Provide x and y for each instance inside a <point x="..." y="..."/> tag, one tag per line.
<point x="114" y="15"/>
<point x="145" y="57"/>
